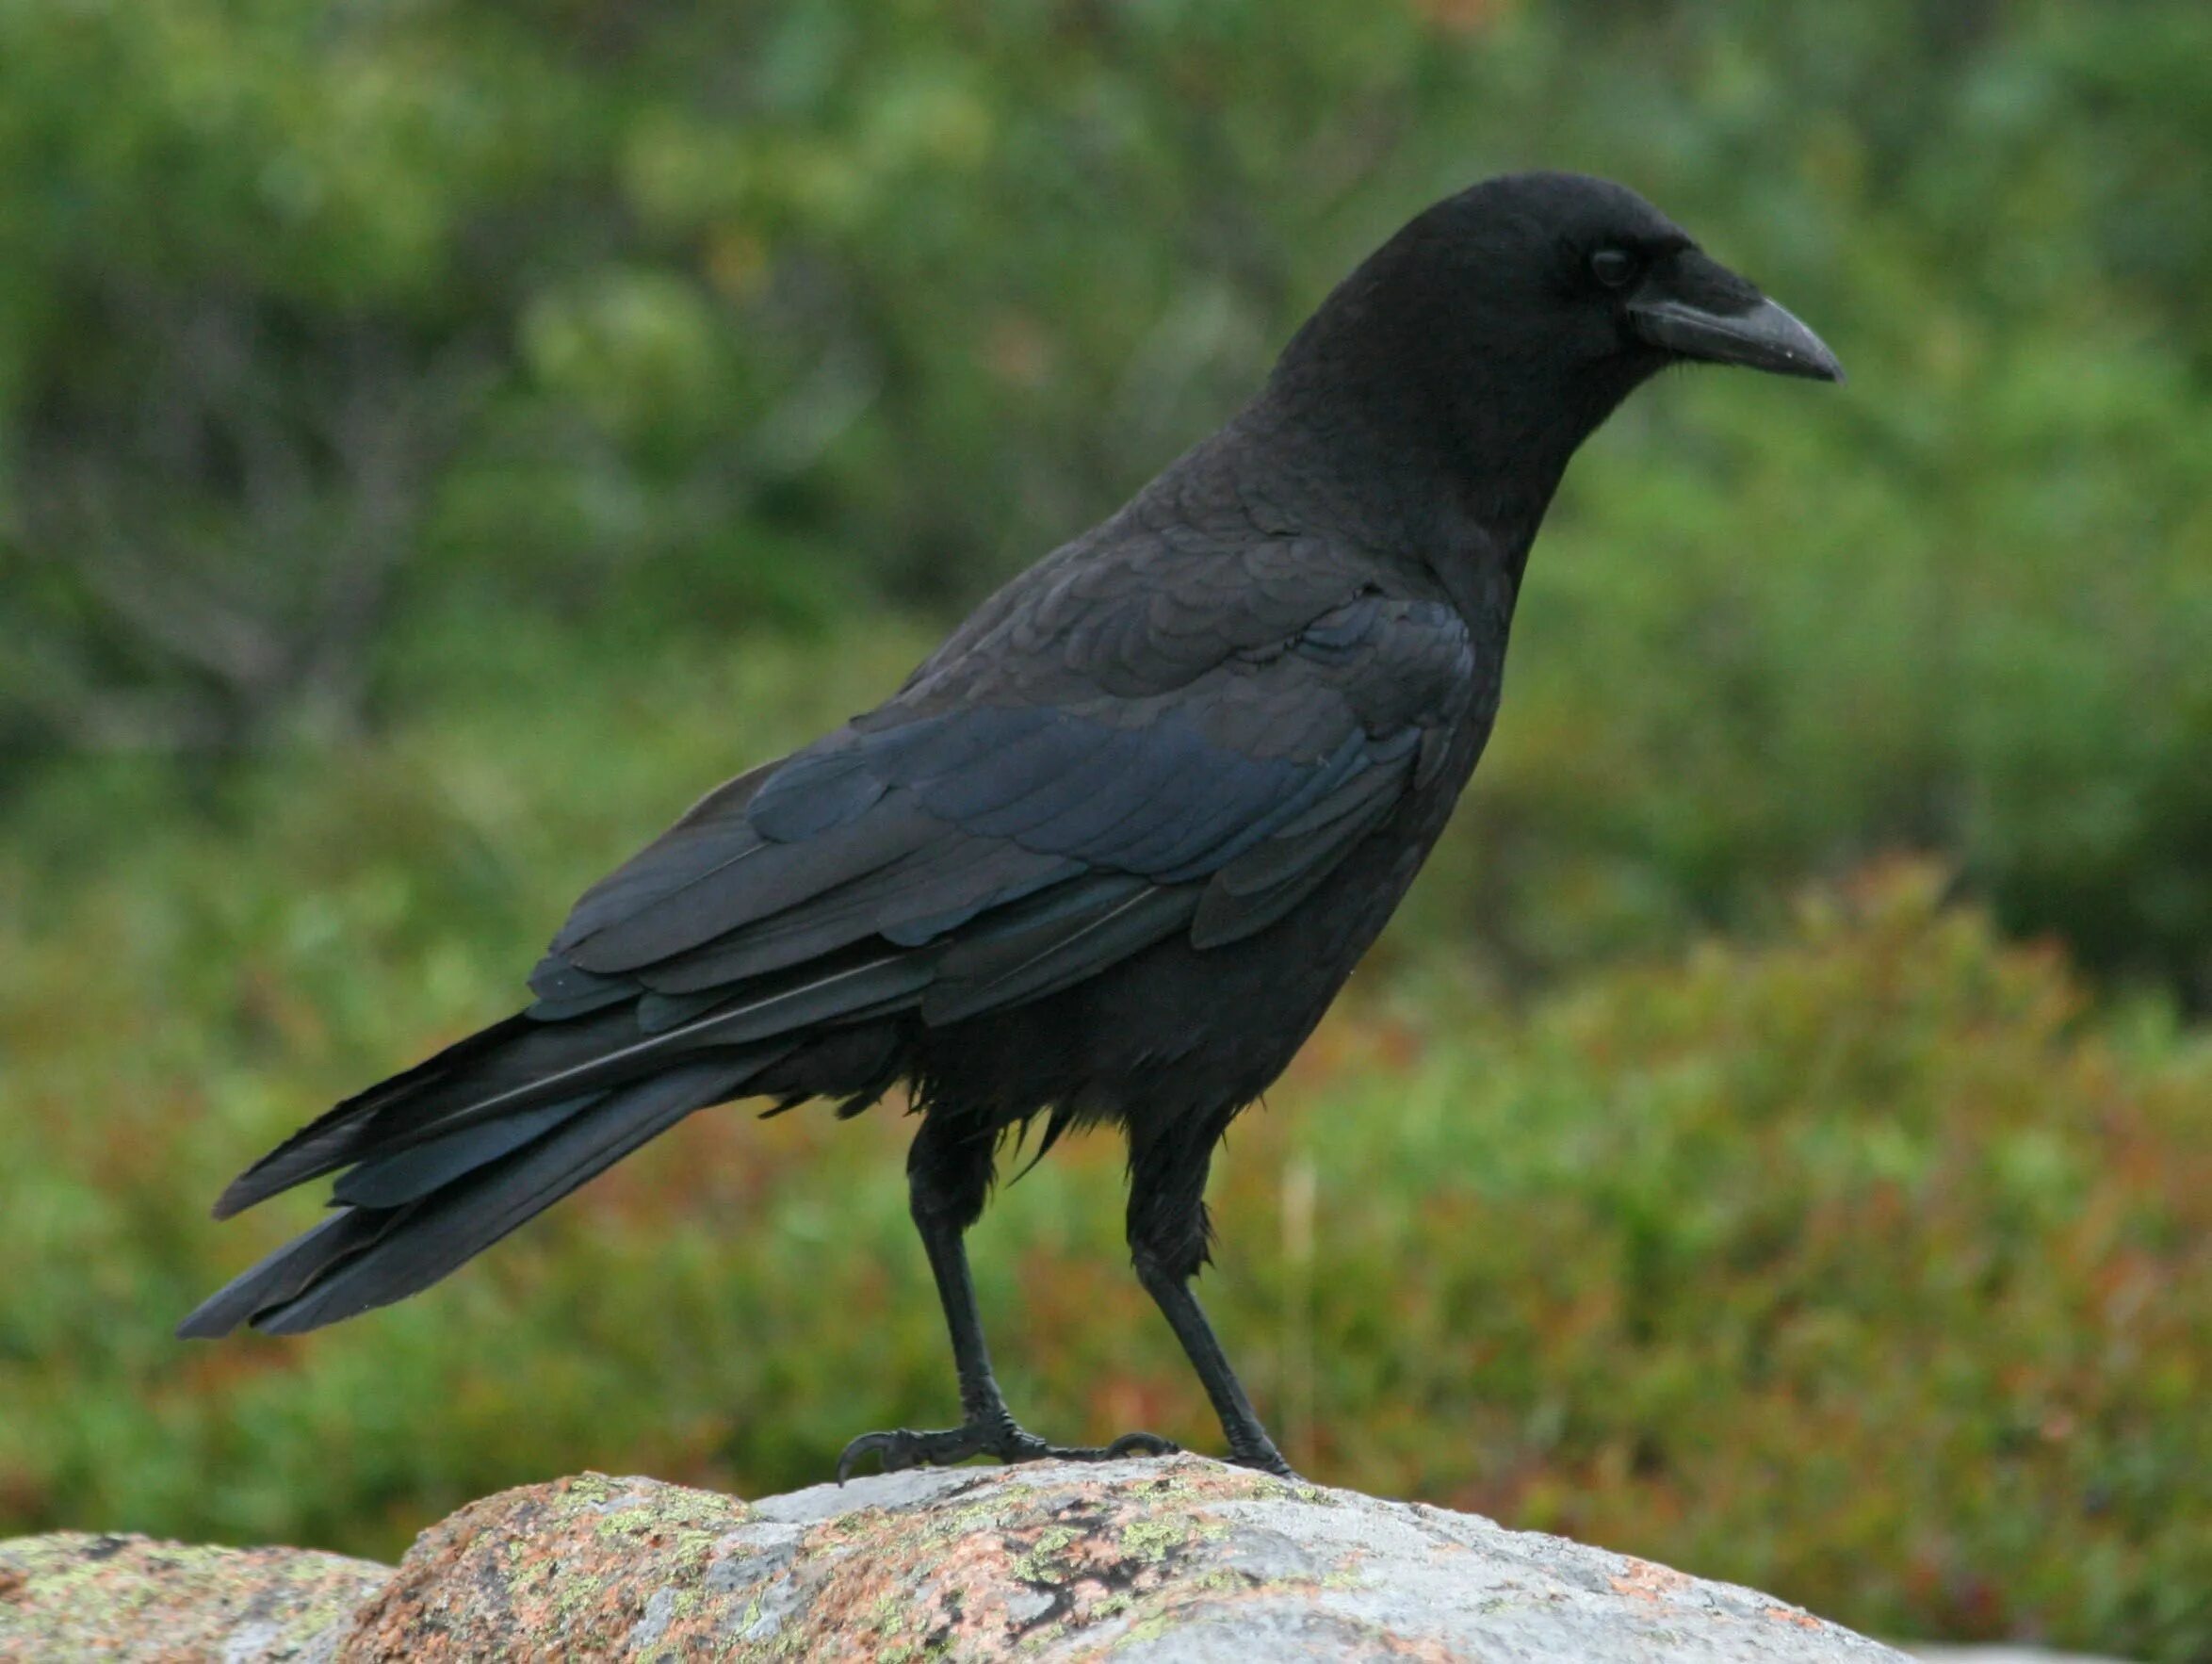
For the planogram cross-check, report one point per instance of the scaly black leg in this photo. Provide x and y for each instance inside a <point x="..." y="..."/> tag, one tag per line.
<point x="1249" y="1443"/>
<point x="947" y="1179"/>
<point x="1167" y="1235"/>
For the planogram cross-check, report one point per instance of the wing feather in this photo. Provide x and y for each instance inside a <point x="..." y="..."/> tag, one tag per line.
<point x="973" y="854"/>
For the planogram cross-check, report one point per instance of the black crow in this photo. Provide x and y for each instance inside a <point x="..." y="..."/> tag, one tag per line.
<point x="1111" y="851"/>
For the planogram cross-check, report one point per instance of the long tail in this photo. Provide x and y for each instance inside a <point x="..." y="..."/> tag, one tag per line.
<point x="407" y="1218"/>
<point x="437" y="1164"/>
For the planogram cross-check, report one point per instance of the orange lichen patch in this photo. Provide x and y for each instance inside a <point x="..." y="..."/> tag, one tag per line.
<point x="1791" y="1615"/>
<point x="1644" y="1581"/>
<point x="1008" y="1562"/>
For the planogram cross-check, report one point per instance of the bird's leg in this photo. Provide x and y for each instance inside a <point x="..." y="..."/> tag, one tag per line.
<point x="1249" y="1443"/>
<point x="1168" y="1230"/>
<point x="946" y="1185"/>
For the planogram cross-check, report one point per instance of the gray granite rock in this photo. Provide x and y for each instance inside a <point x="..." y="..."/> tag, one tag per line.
<point x="1180" y="1561"/>
<point x="73" y="1596"/>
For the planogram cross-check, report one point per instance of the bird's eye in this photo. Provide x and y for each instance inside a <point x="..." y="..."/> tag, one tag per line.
<point x="1613" y="266"/>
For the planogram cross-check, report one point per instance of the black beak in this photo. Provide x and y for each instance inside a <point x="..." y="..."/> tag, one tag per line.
<point x="1731" y="323"/>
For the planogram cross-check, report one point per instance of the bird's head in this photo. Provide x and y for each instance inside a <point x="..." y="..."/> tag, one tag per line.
<point x="1498" y="327"/>
<point x="1590" y="273"/>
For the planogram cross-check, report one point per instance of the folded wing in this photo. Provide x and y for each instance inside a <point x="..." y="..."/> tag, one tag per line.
<point x="930" y="861"/>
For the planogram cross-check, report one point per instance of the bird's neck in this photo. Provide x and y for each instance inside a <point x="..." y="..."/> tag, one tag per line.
<point x="1438" y="432"/>
<point x="1467" y="516"/>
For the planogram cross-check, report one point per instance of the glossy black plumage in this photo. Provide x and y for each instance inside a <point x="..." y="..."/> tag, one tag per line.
<point x="1109" y="853"/>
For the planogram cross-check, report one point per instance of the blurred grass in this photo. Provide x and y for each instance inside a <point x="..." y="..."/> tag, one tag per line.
<point x="1866" y="1266"/>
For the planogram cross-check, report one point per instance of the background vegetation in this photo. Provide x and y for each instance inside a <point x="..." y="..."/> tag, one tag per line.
<point x="436" y="440"/>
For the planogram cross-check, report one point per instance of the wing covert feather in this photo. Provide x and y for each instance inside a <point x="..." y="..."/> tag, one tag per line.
<point x="1155" y="757"/>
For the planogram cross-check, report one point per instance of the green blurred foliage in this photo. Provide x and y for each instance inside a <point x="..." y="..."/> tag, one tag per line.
<point x="326" y="326"/>
<point x="436" y="441"/>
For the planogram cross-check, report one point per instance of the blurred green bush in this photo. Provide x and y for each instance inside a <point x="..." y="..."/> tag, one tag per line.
<point x="1867" y="1268"/>
<point x="326" y="326"/>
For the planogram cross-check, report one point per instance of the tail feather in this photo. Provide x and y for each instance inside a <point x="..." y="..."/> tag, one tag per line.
<point x="492" y="1061"/>
<point x="522" y="1065"/>
<point x="368" y="1256"/>
<point x="412" y="1173"/>
<point x="282" y="1274"/>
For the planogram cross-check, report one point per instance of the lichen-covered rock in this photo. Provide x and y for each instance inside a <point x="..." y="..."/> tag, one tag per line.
<point x="583" y="1567"/>
<point x="1180" y="1561"/>
<point x="73" y="1596"/>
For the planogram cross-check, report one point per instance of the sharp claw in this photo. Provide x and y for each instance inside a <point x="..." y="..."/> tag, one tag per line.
<point x="882" y="1445"/>
<point x="1143" y="1445"/>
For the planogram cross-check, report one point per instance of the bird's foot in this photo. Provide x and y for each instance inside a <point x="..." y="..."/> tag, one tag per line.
<point x="906" y="1448"/>
<point x="1269" y="1460"/>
